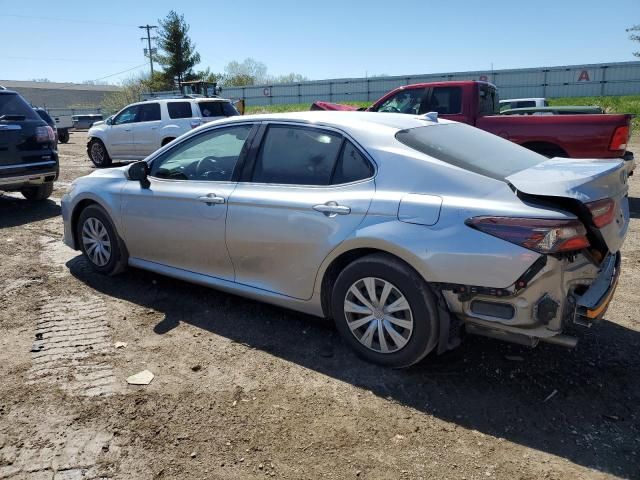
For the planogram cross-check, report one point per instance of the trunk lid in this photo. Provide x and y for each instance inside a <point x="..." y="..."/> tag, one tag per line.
<point x="559" y="179"/>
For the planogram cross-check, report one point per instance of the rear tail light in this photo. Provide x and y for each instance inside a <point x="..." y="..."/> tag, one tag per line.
<point x="45" y="134"/>
<point x="602" y="212"/>
<point x="619" y="139"/>
<point x="540" y="235"/>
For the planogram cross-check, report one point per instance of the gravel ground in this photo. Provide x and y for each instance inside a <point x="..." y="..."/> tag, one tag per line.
<point x="245" y="390"/>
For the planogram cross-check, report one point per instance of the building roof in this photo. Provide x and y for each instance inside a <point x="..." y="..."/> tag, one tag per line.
<point x="17" y="84"/>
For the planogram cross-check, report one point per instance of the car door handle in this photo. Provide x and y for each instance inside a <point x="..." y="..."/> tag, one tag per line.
<point x="212" y="198"/>
<point x="331" y="209"/>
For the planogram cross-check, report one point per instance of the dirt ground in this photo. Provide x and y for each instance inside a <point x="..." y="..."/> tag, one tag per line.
<point x="245" y="390"/>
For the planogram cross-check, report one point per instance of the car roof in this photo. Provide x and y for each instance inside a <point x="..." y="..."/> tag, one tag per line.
<point x="345" y="120"/>
<point x="521" y="99"/>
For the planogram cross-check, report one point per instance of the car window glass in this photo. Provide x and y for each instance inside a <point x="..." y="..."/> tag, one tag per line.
<point x="211" y="109"/>
<point x="149" y="112"/>
<point x="488" y="102"/>
<point x="210" y="156"/>
<point x="297" y="156"/>
<point x="128" y="115"/>
<point x="352" y="166"/>
<point x="405" y="101"/>
<point x="179" y="110"/>
<point x="444" y="100"/>
<point x="14" y="104"/>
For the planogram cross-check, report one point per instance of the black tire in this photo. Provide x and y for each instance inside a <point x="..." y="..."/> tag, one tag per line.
<point x="63" y="136"/>
<point x="384" y="268"/>
<point x="166" y="140"/>
<point x="39" y="193"/>
<point x="98" y="153"/>
<point x="117" y="261"/>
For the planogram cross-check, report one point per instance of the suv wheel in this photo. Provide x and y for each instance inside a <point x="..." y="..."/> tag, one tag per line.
<point x="98" y="153"/>
<point x="41" y="192"/>
<point x="385" y="311"/>
<point x="99" y="241"/>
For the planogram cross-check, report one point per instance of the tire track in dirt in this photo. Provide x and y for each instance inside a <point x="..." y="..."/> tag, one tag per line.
<point x="72" y="346"/>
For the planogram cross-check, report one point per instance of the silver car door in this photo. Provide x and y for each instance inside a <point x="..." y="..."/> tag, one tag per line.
<point x="179" y="220"/>
<point x="283" y="223"/>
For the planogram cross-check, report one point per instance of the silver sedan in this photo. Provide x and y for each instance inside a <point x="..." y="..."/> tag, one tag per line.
<point x="404" y="229"/>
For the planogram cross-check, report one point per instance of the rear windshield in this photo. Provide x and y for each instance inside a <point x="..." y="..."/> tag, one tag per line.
<point x="14" y="104"/>
<point x="217" y="109"/>
<point x="470" y="148"/>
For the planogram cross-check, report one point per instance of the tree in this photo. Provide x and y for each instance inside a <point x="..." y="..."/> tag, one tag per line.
<point x="289" y="78"/>
<point x="130" y="92"/>
<point x="247" y="72"/>
<point x="634" y="37"/>
<point x="179" y="53"/>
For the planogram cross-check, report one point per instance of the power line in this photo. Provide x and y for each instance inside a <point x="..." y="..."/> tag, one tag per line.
<point x="63" y="59"/>
<point x="58" y="19"/>
<point x="72" y="85"/>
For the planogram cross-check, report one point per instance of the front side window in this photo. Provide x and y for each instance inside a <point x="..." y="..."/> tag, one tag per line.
<point x="444" y="100"/>
<point x="405" y="101"/>
<point x="297" y="156"/>
<point x="149" y="112"/>
<point x="128" y="115"/>
<point x="210" y="156"/>
<point x="179" y="110"/>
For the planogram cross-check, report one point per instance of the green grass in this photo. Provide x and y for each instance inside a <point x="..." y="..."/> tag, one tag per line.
<point x="626" y="104"/>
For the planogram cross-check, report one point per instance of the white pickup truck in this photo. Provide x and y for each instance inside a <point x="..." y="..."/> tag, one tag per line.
<point x="141" y="128"/>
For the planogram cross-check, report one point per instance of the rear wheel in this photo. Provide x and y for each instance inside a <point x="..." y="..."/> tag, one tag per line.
<point x="99" y="241"/>
<point x="385" y="311"/>
<point x="63" y="136"/>
<point x="167" y="140"/>
<point x="98" y="153"/>
<point x="41" y="192"/>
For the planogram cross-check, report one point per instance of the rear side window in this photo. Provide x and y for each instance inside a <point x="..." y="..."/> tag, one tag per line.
<point x="179" y="110"/>
<point x="217" y="109"/>
<point x="297" y="156"/>
<point x="444" y="100"/>
<point x="470" y="148"/>
<point x="149" y="112"/>
<point x="12" y="104"/>
<point x="488" y="101"/>
<point x="352" y="166"/>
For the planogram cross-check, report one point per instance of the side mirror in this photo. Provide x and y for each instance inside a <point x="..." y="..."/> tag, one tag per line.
<point x="109" y="121"/>
<point x="138" y="172"/>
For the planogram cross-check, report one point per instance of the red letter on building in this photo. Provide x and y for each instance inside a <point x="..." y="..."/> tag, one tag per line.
<point x="584" y="76"/>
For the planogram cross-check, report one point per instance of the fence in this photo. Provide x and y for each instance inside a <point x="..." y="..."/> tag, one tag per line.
<point x="600" y="79"/>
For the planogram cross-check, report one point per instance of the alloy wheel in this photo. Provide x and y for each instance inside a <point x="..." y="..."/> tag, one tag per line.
<point x="378" y="315"/>
<point x="96" y="241"/>
<point x="97" y="153"/>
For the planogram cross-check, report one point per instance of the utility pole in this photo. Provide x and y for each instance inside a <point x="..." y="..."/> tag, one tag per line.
<point x="148" y="28"/>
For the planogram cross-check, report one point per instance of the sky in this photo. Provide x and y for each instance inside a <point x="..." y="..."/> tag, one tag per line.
<point x="73" y="41"/>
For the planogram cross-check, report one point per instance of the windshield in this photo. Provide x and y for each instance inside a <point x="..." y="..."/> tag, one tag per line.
<point x="13" y="104"/>
<point x="470" y="148"/>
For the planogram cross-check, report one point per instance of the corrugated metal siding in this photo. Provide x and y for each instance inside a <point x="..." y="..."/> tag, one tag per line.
<point x="551" y="82"/>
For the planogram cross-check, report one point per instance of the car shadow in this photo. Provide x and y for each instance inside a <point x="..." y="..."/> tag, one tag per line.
<point x="16" y="211"/>
<point x="634" y="207"/>
<point x="577" y="404"/>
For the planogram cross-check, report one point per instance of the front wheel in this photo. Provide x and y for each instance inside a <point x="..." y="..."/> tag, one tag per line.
<point x="385" y="311"/>
<point x="99" y="241"/>
<point x="98" y="153"/>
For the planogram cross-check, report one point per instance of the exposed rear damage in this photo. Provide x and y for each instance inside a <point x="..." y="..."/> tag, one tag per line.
<point x="575" y="277"/>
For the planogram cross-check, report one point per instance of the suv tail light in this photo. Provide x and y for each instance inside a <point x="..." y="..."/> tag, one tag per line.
<point x="45" y="134"/>
<point x="602" y="212"/>
<point x="619" y="139"/>
<point x="540" y="235"/>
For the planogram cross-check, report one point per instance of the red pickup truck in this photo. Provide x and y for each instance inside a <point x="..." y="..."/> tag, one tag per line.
<point x="476" y="103"/>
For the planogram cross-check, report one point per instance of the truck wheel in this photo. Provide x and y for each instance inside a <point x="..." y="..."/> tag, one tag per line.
<point x="41" y="192"/>
<point x="63" y="136"/>
<point x="98" y="153"/>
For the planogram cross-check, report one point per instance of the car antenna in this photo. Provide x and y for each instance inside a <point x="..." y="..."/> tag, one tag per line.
<point x="431" y="116"/>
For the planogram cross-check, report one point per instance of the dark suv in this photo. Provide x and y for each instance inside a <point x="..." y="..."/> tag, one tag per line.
<point x="28" y="155"/>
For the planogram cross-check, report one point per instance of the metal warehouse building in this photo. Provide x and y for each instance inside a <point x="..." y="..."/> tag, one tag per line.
<point x="622" y="78"/>
<point x="53" y="95"/>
